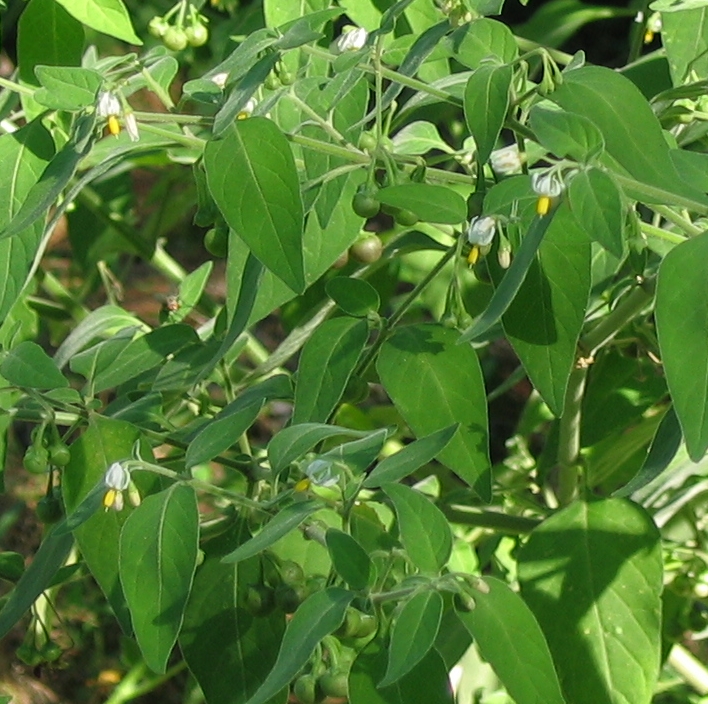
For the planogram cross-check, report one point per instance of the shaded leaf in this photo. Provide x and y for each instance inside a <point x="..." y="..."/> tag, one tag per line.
<point x="349" y="558"/>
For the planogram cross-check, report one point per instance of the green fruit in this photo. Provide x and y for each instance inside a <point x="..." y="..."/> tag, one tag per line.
<point x="291" y="573"/>
<point x="289" y="598"/>
<point x="286" y="77"/>
<point x="36" y="459"/>
<point x="306" y="691"/>
<point x="59" y="454"/>
<point x="271" y="82"/>
<point x="12" y="565"/>
<point x="175" y="39"/>
<point x="334" y="683"/>
<point x="158" y="27"/>
<point x="216" y="242"/>
<point x="29" y="655"/>
<point x="50" y="651"/>
<point x="352" y="623"/>
<point x="367" y="625"/>
<point x="260" y="600"/>
<point x="407" y="218"/>
<point x="197" y="35"/>
<point x="365" y="204"/>
<point x="367" y="141"/>
<point x="49" y="509"/>
<point x="367" y="250"/>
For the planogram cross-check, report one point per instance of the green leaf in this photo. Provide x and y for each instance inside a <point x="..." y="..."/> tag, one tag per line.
<point x="158" y="556"/>
<point x="482" y="39"/>
<point x="105" y="441"/>
<point x="592" y="575"/>
<point x="286" y="520"/>
<point x="107" y="16"/>
<point x="425" y="532"/>
<point x="684" y="35"/>
<point x="681" y="315"/>
<point x="511" y="641"/>
<point x="358" y="454"/>
<point x="326" y="363"/>
<point x="607" y="98"/>
<point x="410" y="458"/>
<point x="566" y="134"/>
<point x="486" y="104"/>
<point x="30" y="366"/>
<point x="253" y="179"/>
<point x="544" y="320"/>
<point x="144" y="353"/>
<point x="596" y="202"/>
<point x="317" y="616"/>
<point x="66" y="88"/>
<point x="418" y="137"/>
<point x="510" y="285"/>
<point x="349" y="559"/>
<point x="293" y="442"/>
<point x="430" y="203"/>
<point x="427" y="682"/>
<point x="190" y="291"/>
<point x="35" y="579"/>
<point x="355" y="297"/>
<point x="228" y="650"/>
<point x="24" y="154"/>
<point x="413" y="634"/>
<point x="434" y="382"/>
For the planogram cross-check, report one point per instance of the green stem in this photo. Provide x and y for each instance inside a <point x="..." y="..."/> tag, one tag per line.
<point x="661" y="234"/>
<point x="172" y="118"/>
<point x="482" y="518"/>
<point x="353" y="155"/>
<point x="569" y="437"/>
<point x="692" y="671"/>
<point x="177" y="137"/>
<point x="16" y="87"/>
<point x="686" y="225"/>
<point x="512" y="380"/>
<point x="321" y="122"/>
<point x="560" y="57"/>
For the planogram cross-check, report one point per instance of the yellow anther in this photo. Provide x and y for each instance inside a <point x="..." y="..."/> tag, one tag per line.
<point x="648" y="36"/>
<point x="473" y="256"/>
<point x="543" y="205"/>
<point x="109" y="498"/>
<point x="113" y="125"/>
<point x="303" y="484"/>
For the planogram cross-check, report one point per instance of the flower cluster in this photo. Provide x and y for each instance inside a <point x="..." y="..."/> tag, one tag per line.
<point x="111" y="108"/>
<point x="117" y="480"/>
<point x="548" y="186"/>
<point x="480" y="234"/>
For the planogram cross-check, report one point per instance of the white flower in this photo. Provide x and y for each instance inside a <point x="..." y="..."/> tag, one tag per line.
<point x="220" y="79"/>
<point x="506" y="161"/>
<point x="247" y="110"/>
<point x="352" y="40"/>
<point x="481" y="231"/>
<point x="108" y="104"/>
<point x="548" y="186"/>
<point x="117" y="480"/>
<point x="131" y="126"/>
<point x="320" y="473"/>
<point x="654" y="23"/>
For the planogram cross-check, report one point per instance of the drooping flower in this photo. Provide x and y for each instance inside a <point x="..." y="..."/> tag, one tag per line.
<point x="506" y="161"/>
<point x="548" y="186"/>
<point x="131" y="126"/>
<point x="220" y="79"/>
<point x="108" y="104"/>
<point x="117" y="480"/>
<point x="247" y="110"/>
<point x="653" y="27"/>
<point x="480" y="234"/>
<point x="353" y="39"/>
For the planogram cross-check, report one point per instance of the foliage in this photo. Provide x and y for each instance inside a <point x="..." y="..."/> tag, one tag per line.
<point x="300" y="488"/>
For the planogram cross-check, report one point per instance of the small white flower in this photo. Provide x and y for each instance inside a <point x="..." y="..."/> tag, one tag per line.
<point x="352" y="40"/>
<point x="247" y="110"/>
<point x="546" y="184"/>
<point x="506" y="161"/>
<point x="131" y="126"/>
<point x="654" y="23"/>
<point x="220" y="79"/>
<point x="108" y="104"/>
<point x="117" y="480"/>
<point x="321" y="473"/>
<point x="639" y="17"/>
<point x="481" y="231"/>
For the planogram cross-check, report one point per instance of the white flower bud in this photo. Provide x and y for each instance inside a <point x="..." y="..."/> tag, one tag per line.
<point x="220" y="79"/>
<point x="131" y="126"/>
<point x="353" y="40"/>
<point x="481" y="231"/>
<point x="506" y="161"/>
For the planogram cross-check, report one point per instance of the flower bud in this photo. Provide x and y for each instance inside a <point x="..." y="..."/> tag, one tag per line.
<point x="352" y="40"/>
<point x="506" y="161"/>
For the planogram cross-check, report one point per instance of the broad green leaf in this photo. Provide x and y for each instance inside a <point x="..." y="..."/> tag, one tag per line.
<point x="252" y="176"/>
<point x="287" y="519"/>
<point x="418" y="137"/>
<point x="293" y="442"/>
<point x="566" y="134"/>
<point x="24" y="155"/>
<point x="511" y="641"/>
<point x="607" y="99"/>
<point x="278" y="13"/>
<point x="506" y="291"/>
<point x="67" y="88"/>
<point x="326" y="363"/>
<point x="592" y="575"/>
<point x="35" y="579"/>
<point x="693" y="166"/>
<point x="663" y="449"/>
<point x="482" y="39"/>
<point x="317" y="616"/>
<point x="144" y="353"/>
<point x="413" y="634"/>
<point x="596" y="202"/>
<point x="434" y="382"/>
<point x="30" y="366"/>
<point x="427" y="682"/>
<point x="228" y="650"/>
<point x="358" y="454"/>
<point x="349" y="559"/>
<point x="105" y="441"/>
<point x="544" y="320"/>
<point x="430" y="203"/>
<point x="424" y="530"/>
<point x="684" y="35"/>
<point x="99" y="357"/>
<point x="190" y="291"/>
<point x="158" y="556"/>
<point x="486" y="104"/>
<point x="413" y="456"/>
<point x="681" y="315"/>
<point x="107" y="16"/>
<point x="355" y="297"/>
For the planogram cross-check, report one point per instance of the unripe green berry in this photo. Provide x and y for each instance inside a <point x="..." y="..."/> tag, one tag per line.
<point x="175" y="39"/>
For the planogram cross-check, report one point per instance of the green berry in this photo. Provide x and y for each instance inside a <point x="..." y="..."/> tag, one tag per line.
<point x="260" y="600"/>
<point x="367" y="625"/>
<point x="367" y="250"/>
<point x="334" y="683"/>
<point x="36" y="459"/>
<point x="286" y="77"/>
<point x="289" y="598"/>
<point x="271" y="82"/>
<point x="49" y="509"/>
<point x="367" y="141"/>
<point x="407" y="218"/>
<point x="351" y="624"/>
<point x="197" y="35"/>
<point x="291" y="573"/>
<point x="365" y="204"/>
<point x="158" y="27"/>
<point x="59" y="454"/>
<point x="175" y="39"/>
<point x="306" y="691"/>
<point x="216" y="242"/>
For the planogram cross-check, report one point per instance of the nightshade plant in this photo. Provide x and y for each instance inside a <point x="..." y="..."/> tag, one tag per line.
<point x="409" y="188"/>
